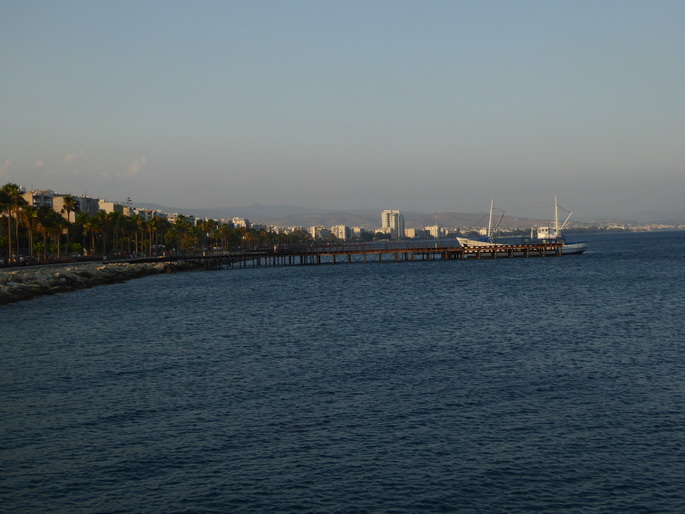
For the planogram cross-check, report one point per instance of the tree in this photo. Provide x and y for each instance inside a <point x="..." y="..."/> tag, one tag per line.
<point x="58" y="224"/>
<point x="180" y="229"/>
<point x="139" y="225"/>
<point x="114" y="221"/>
<point x="13" y="202"/>
<point x="155" y="226"/>
<point x="207" y="228"/>
<point x="70" y="204"/>
<point x="4" y="209"/>
<point x="98" y="224"/>
<point x="30" y="218"/>
<point x="299" y="236"/>
<point x="44" y="226"/>
<point x="91" y="227"/>
<point x="225" y="233"/>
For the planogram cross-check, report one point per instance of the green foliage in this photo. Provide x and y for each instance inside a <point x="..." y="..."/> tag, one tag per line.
<point x="42" y="231"/>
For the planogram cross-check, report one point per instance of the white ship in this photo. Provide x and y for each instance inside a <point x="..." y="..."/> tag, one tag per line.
<point x="487" y="239"/>
<point x="553" y="233"/>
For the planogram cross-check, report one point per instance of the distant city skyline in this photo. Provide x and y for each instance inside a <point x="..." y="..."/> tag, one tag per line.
<point x="438" y="106"/>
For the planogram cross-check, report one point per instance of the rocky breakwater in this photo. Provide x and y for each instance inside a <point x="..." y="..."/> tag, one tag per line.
<point x="18" y="284"/>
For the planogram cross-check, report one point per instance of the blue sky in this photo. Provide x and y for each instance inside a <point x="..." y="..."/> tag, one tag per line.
<point x="412" y="105"/>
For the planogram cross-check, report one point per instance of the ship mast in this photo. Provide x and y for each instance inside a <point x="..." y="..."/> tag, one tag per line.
<point x="556" y="217"/>
<point x="557" y="228"/>
<point x="492" y="202"/>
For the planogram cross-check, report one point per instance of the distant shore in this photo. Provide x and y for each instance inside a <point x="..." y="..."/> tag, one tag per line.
<point x="25" y="283"/>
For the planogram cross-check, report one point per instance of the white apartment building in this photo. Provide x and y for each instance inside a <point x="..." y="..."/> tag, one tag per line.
<point x="319" y="232"/>
<point x="241" y="223"/>
<point x="106" y="206"/>
<point x="392" y="222"/>
<point x="357" y="232"/>
<point x="436" y="231"/>
<point x="173" y="217"/>
<point x="342" y="232"/>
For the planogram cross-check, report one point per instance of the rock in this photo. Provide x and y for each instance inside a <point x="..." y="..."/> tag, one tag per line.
<point x="25" y="284"/>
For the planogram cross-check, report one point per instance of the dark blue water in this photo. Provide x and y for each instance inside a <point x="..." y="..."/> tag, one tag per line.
<point x="516" y="385"/>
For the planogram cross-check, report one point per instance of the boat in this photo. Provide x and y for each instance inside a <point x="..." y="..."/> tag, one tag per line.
<point x="541" y="235"/>
<point x="488" y="238"/>
<point x="553" y="233"/>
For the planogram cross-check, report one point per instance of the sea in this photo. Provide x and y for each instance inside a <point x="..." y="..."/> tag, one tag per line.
<point x="540" y="384"/>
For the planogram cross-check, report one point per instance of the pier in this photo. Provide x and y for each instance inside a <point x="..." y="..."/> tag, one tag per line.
<point x="332" y="254"/>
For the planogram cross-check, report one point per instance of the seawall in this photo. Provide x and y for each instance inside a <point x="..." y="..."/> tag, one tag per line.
<point x="17" y="284"/>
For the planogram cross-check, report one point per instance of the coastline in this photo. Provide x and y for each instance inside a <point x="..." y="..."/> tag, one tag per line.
<point x="26" y="283"/>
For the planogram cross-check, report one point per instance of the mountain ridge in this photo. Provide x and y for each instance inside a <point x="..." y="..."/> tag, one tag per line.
<point x="293" y="216"/>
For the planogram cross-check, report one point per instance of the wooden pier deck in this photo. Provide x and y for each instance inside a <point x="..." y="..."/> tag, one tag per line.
<point x="307" y="255"/>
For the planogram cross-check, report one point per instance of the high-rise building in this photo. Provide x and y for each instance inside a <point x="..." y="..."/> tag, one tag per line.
<point x="319" y="232"/>
<point x="342" y="232"/>
<point x="392" y="222"/>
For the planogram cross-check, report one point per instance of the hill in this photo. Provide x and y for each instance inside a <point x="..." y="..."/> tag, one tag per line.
<point x="292" y="216"/>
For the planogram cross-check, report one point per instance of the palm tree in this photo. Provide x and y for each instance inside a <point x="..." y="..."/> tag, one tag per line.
<point x="91" y="226"/>
<point x="224" y="232"/>
<point x="30" y="220"/>
<point x="154" y="226"/>
<point x="44" y="226"/>
<point x="139" y="226"/>
<point x="70" y="204"/>
<point x="103" y="222"/>
<point x="128" y="230"/>
<point x="13" y="201"/>
<point x="206" y="227"/>
<point x="4" y="208"/>
<point x="181" y="228"/>
<point x="52" y="224"/>
<point x="59" y="225"/>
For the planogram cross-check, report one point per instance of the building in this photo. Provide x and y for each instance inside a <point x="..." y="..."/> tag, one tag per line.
<point x="319" y="232"/>
<point x="174" y="217"/>
<point x="357" y="232"/>
<point x="88" y="205"/>
<point x="39" y="198"/>
<point x="436" y="231"/>
<point x="145" y="214"/>
<point x="108" y="207"/>
<point x="241" y="223"/>
<point x="414" y="233"/>
<point x="392" y="222"/>
<point x="342" y="232"/>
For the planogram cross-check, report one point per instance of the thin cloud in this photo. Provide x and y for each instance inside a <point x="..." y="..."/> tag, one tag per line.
<point x="39" y="163"/>
<point x="71" y="156"/>
<point x="5" y="166"/>
<point x="134" y="169"/>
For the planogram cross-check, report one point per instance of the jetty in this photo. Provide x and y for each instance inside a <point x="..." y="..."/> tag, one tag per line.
<point x="320" y="254"/>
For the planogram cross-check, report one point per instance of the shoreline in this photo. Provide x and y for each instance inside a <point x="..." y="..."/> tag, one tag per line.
<point x="26" y="283"/>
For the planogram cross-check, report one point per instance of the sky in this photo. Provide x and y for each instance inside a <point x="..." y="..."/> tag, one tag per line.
<point x="423" y="105"/>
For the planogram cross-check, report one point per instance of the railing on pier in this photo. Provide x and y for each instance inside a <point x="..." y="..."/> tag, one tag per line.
<point x="313" y="254"/>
